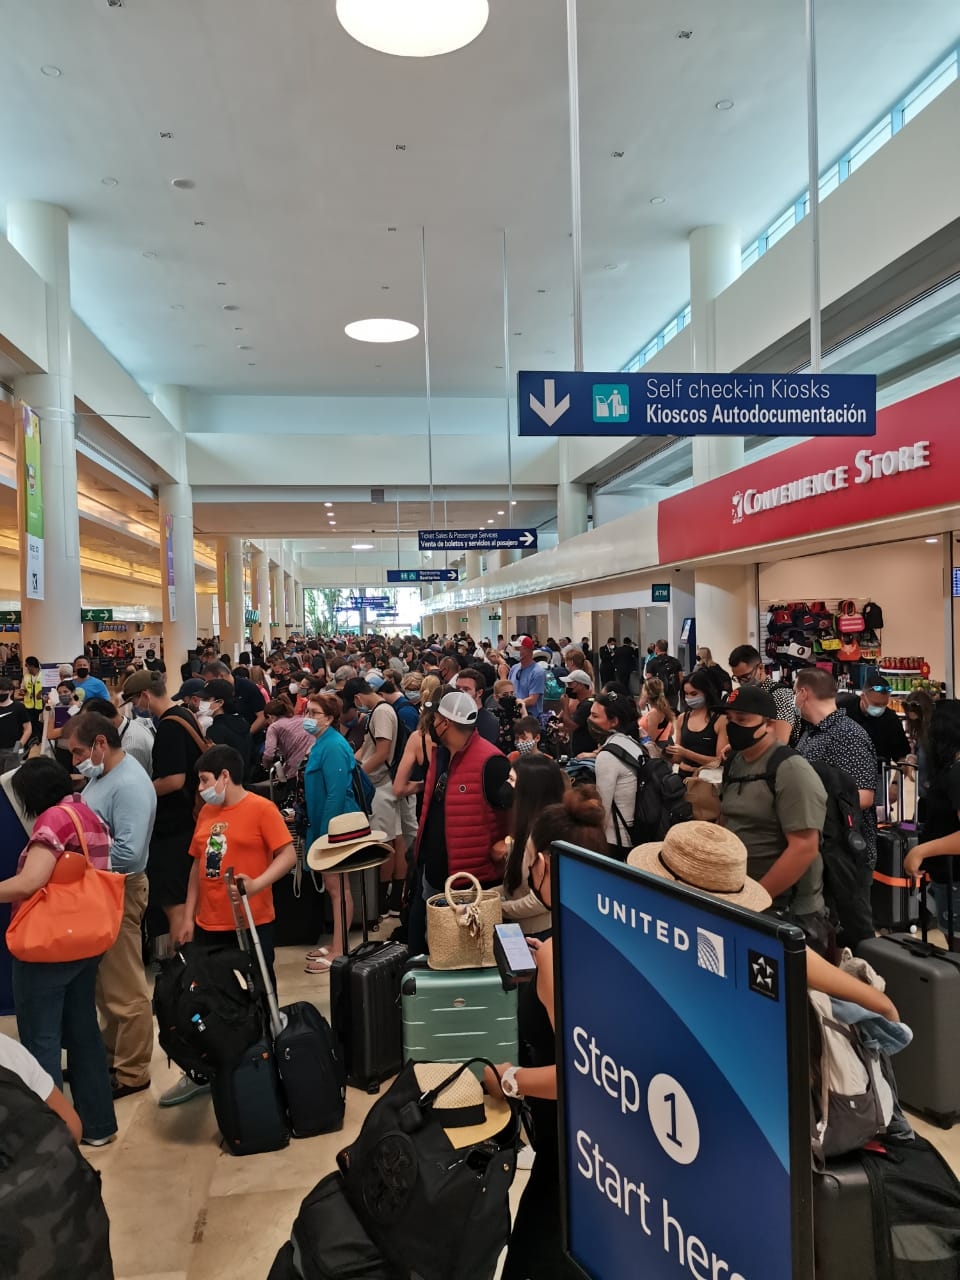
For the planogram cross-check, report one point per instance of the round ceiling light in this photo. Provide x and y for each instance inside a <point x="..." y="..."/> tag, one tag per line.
<point x="725" y="104"/>
<point x="413" y="28"/>
<point x="110" y="182"/>
<point x="362" y="546"/>
<point x="381" y="330"/>
<point x="48" y="69"/>
<point x="658" y="199"/>
<point x="328" y="504"/>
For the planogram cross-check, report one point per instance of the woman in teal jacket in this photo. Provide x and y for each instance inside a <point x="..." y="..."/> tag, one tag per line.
<point x="328" y="789"/>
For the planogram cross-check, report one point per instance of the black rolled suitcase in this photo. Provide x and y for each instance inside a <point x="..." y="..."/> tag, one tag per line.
<point x="843" y="1233"/>
<point x="365" y="1011"/>
<point x="312" y="1071"/>
<point x="249" y="1104"/>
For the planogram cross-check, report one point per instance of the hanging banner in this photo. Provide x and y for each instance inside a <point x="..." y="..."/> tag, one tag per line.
<point x="32" y="487"/>
<point x="168" y="566"/>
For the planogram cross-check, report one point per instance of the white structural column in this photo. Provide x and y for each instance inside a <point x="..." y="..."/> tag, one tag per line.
<point x="474" y="565"/>
<point x="571" y="496"/>
<point x="230" y="594"/>
<point x="50" y="628"/>
<point x="179" y="598"/>
<point x="260" y="585"/>
<point x="726" y="609"/>
<point x="714" y="265"/>
<point x="276" y="591"/>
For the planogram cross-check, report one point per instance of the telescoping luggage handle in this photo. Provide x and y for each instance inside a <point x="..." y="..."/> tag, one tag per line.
<point x="898" y="823"/>
<point x="238" y="889"/>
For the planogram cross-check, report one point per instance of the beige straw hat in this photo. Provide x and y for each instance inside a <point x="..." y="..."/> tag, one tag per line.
<point x="474" y="1115"/>
<point x="707" y="857"/>
<point x="347" y="834"/>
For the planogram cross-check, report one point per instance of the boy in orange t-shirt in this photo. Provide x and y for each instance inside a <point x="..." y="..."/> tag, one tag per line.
<point x="237" y="829"/>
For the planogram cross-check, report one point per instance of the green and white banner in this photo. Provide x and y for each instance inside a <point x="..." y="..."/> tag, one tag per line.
<point x="32" y="487"/>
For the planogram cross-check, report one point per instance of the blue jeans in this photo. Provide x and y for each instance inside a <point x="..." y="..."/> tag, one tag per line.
<point x="57" y="1009"/>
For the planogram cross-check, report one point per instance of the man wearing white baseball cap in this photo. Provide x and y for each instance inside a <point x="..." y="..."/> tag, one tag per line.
<point x="466" y="802"/>
<point x="575" y="712"/>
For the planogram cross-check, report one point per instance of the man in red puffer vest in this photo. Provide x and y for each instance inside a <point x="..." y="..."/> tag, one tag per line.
<point x="466" y="809"/>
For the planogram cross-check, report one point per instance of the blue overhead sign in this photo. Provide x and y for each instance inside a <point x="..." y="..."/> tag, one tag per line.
<point x="478" y="539"/>
<point x="422" y="575"/>
<point x="696" y="404"/>
<point x="370" y="602"/>
<point x="684" y="1080"/>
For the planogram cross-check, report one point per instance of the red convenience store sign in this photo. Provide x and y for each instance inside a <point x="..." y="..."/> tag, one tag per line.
<point x="913" y="463"/>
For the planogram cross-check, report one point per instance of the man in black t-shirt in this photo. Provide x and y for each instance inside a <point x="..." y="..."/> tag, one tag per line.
<point x="575" y="712"/>
<point x="177" y="747"/>
<point x="667" y="669"/>
<point x="247" y="696"/>
<point x="16" y="727"/>
<point x="871" y="710"/>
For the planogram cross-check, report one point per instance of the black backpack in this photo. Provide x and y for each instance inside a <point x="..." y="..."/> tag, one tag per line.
<point x="661" y="799"/>
<point x="53" y="1223"/>
<point x="842" y="845"/>
<point x="207" y="1007"/>
<point x="669" y="671"/>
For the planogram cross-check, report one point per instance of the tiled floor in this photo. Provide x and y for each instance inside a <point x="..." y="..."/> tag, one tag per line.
<point x="182" y="1209"/>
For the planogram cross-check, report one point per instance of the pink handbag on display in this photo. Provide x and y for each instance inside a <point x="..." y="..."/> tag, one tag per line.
<point x="849" y="619"/>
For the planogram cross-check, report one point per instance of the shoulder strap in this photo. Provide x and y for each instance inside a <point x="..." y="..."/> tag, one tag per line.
<point x="769" y="777"/>
<point x="68" y="810"/>
<point x="188" y="728"/>
<point x="620" y="753"/>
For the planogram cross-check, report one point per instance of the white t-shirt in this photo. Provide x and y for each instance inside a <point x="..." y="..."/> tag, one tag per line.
<point x="382" y="723"/>
<point x="22" y="1063"/>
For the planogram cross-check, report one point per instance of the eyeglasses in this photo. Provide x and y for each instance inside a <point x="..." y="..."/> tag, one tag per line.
<point x="745" y="679"/>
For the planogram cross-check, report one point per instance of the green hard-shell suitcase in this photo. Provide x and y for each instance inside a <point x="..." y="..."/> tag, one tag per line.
<point x="457" y="1014"/>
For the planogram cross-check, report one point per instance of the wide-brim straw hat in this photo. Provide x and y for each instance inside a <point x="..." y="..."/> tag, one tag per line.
<point x="703" y="856"/>
<point x="347" y="834"/>
<point x="474" y="1115"/>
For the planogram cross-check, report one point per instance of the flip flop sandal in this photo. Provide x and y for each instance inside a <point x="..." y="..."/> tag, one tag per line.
<point x="318" y="966"/>
<point x="319" y="953"/>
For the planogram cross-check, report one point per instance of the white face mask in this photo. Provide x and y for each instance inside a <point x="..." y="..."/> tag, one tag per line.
<point x="210" y="795"/>
<point x="294" y="689"/>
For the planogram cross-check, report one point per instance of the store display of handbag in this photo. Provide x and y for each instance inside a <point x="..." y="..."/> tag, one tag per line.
<point x="76" y="915"/>
<point x="849" y="619"/>
<point x="849" y="650"/>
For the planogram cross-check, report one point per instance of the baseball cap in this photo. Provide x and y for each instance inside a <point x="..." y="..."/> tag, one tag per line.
<point x="577" y="677"/>
<point x="878" y="685"/>
<point x="138" y="683"/>
<point x="189" y="689"/>
<point x="458" y="708"/>
<point x="751" y="700"/>
<point x="525" y="643"/>
<point x="374" y="678"/>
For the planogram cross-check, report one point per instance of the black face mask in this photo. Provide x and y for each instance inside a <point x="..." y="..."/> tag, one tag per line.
<point x="597" y="734"/>
<point x="742" y="737"/>
<point x="434" y="736"/>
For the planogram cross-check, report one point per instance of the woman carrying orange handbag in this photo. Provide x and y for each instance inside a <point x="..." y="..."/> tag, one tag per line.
<point x="55" y="999"/>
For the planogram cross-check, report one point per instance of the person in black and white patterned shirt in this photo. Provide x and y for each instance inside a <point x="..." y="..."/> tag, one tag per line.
<point x="746" y="667"/>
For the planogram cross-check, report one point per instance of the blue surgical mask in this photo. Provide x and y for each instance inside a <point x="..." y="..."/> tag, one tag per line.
<point x="210" y="795"/>
<point x="875" y="711"/>
<point x="87" y="769"/>
<point x="310" y="726"/>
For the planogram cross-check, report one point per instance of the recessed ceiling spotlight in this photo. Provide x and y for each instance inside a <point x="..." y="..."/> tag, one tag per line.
<point x="541" y="291"/>
<point x="501" y="513"/>
<point x="183" y="184"/>
<point x="110" y="182"/>
<point x="149" y="253"/>
<point x="391" y="228"/>
<point x="685" y="35"/>
<point x="166" y="135"/>
<point x="931" y="539"/>
<point x="230" y="306"/>
<point x="518" y="333"/>
<point x="198" y="223"/>
<point x="361" y="546"/>
<point x="400" y="146"/>
<point x="332" y="523"/>
<point x="384" y="287"/>
<point x="381" y="330"/>
<point x="616" y="155"/>
<point x="242" y="347"/>
<point x="48" y="69"/>
<point x="513" y="503"/>
<point x="251" y="364"/>
<point x="609" y="266"/>
<point x="658" y="199"/>
<point x="724" y="104"/>
<point x="489" y="522"/>
<point x="222" y="283"/>
<point x="328" y="504"/>
<point x="498" y="366"/>
<point x="238" y="328"/>
<point x="413" y="28"/>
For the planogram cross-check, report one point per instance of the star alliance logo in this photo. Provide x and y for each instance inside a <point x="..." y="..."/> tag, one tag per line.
<point x="764" y="975"/>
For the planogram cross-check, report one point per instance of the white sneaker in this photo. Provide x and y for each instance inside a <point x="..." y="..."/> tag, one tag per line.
<point x="182" y="1091"/>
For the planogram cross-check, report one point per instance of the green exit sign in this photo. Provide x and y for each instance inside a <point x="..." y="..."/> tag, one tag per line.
<point x="660" y="593"/>
<point x="96" y="615"/>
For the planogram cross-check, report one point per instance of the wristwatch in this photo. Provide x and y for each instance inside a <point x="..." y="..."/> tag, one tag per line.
<point x="508" y="1083"/>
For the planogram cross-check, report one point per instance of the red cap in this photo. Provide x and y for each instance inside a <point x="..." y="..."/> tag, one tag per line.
<point x="526" y="643"/>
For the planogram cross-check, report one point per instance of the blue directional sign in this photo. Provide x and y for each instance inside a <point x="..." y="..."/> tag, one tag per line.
<point x="696" y="404"/>
<point x="685" y="1132"/>
<point x="478" y="539"/>
<point x="422" y="575"/>
<point x="370" y="602"/>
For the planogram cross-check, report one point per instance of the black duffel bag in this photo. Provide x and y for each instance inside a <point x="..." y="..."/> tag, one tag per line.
<point x="430" y="1172"/>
